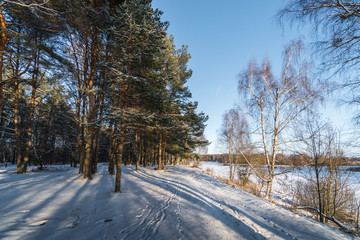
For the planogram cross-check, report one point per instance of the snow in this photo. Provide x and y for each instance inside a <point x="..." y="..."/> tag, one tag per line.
<point x="177" y="203"/>
<point x="282" y="183"/>
<point x="286" y="181"/>
<point x="217" y="168"/>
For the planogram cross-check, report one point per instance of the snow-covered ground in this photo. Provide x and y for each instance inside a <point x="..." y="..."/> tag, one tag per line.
<point x="178" y="203"/>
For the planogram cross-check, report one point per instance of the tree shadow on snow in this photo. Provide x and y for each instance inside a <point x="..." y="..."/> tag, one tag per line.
<point x="202" y="203"/>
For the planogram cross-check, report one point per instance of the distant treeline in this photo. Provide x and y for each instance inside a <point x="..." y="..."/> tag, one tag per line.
<point x="281" y="159"/>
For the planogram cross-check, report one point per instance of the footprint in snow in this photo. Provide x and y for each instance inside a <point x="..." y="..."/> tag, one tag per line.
<point x="39" y="223"/>
<point x="71" y="225"/>
<point x="101" y="221"/>
<point x="24" y="211"/>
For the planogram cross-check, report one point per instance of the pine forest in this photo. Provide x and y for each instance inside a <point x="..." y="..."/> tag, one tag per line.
<point x="90" y="81"/>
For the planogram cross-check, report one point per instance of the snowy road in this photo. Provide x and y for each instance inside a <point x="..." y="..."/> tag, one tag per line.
<point x="178" y="203"/>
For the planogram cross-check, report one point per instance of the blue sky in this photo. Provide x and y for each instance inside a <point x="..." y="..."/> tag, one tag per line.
<point x="223" y="36"/>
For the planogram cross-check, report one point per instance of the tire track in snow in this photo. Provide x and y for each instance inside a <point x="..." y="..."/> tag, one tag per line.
<point x="222" y="211"/>
<point x="179" y="226"/>
<point x="178" y="213"/>
<point x="152" y="217"/>
<point x="154" y="223"/>
<point x="149" y="222"/>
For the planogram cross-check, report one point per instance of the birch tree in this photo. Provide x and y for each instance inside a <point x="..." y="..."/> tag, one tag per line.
<point x="314" y="134"/>
<point x="336" y="24"/>
<point x="326" y="189"/>
<point x="336" y="30"/>
<point x="235" y="137"/>
<point x="273" y="103"/>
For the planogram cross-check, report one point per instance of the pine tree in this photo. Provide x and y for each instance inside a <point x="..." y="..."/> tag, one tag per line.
<point x="136" y="34"/>
<point x="179" y="125"/>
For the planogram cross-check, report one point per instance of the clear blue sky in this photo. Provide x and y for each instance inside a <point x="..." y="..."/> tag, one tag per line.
<point x="223" y="36"/>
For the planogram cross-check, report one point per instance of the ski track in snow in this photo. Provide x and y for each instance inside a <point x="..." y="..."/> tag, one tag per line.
<point x="177" y="203"/>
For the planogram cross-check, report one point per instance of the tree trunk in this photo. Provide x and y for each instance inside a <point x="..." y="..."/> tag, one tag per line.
<point x="317" y="174"/>
<point x="78" y="126"/>
<point x="95" y="151"/>
<point x="92" y="108"/>
<point x="2" y="49"/>
<point x="29" y="130"/>
<point x="32" y="107"/>
<point x="17" y="128"/>
<point x="154" y="156"/>
<point x="112" y="149"/>
<point x="120" y="148"/>
<point x="146" y="155"/>
<point x="137" y="151"/>
<point x="16" y="110"/>
<point x="231" y="166"/>
<point x="163" y="155"/>
<point x="118" y="167"/>
<point x="99" y="105"/>
<point x="160" y="153"/>
<point x="271" y="166"/>
<point x="138" y="157"/>
<point x="82" y="134"/>
<point x="88" y="156"/>
<point x="81" y="154"/>
<point x="269" y="186"/>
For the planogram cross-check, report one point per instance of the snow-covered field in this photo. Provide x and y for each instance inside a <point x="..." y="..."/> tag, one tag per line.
<point x="178" y="203"/>
<point x="282" y="182"/>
